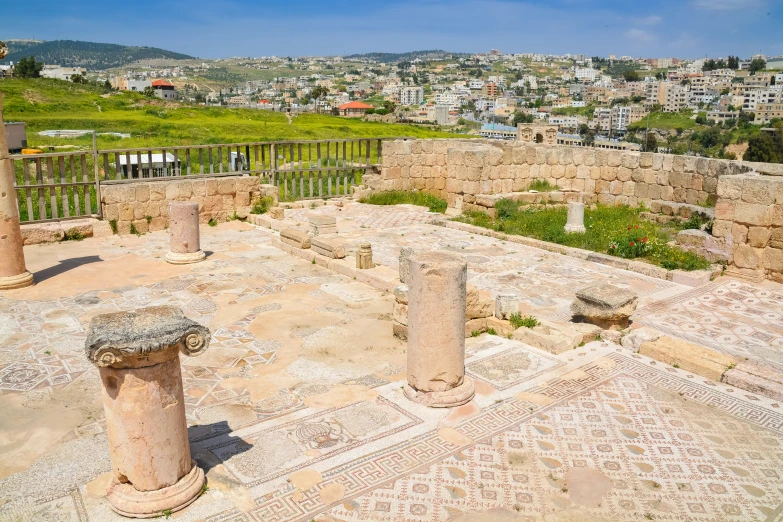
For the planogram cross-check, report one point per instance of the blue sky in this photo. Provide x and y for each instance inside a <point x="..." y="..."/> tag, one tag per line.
<point x="650" y="28"/>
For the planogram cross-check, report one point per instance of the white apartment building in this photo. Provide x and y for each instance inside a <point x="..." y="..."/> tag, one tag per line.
<point x="476" y="84"/>
<point x="61" y="73"/>
<point x="485" y="105"/>
<point x="448" y="98"/>
<point x="411" y="95"/>
<point x="584" y="74"/>
<point x="756" y="96"/>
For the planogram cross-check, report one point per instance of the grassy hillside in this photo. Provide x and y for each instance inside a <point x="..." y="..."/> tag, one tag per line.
<point x="53" y="104"/>
<point x="93" y="56"/>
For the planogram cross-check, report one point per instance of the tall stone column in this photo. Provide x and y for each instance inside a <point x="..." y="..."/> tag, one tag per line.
<point x="13" y="272"/>
<point x="185" y="242"/>
<point x="137" y="354"/>
<point x="576" y="218"/>
<point x="436" y="331"/>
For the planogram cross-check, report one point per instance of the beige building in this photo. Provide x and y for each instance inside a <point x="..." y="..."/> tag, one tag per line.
<point x="765" y="112"/>
<point x="537" y="133"/>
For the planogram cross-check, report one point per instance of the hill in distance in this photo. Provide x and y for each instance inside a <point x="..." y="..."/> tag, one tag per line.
<point x="91" y="55"/>
<point x="402" y="57"/>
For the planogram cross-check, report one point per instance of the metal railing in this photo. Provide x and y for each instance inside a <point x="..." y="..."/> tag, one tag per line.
<point x="66" y="185"/>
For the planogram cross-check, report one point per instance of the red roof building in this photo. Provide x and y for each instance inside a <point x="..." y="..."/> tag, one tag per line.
<point x="354" y="109"/>
<point x="164" y="89"/>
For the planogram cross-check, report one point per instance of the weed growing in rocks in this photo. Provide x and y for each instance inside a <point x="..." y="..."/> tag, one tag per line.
<point x="528" y="321"/>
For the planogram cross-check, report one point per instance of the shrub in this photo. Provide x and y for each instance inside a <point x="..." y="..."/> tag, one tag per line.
<point x="517" y="321"/>
<point x="262" y="205"/>
<point x="541" y="185"/>
<point x="113" y="225"/>
<point x="73" y="235"/>
<point x="212" y="222"/>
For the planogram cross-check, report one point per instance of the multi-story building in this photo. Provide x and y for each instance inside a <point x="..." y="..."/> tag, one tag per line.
<point x="165" y="90"/>
<point x="585" y="74"/>
<point x="476" y="84"/>
<point x="676" y="97"/>
<point x="755" y="97"/>
<point x="765" y="112"/>
<point x="411" y="95"/>
<point x="490" y="89"/>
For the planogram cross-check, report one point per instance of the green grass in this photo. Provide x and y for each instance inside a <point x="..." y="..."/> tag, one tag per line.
<point x="541" y="185"/>
<point x="666" y="121"/>
<point x="400" y="197"/>
<point x="616" y="231"/>
<point x="53" y="104"/>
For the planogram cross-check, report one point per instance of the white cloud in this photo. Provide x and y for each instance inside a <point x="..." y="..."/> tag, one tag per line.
<point x="726" y="5"/>
<point x="640" y="35"/>
<point x="648" y="20"/>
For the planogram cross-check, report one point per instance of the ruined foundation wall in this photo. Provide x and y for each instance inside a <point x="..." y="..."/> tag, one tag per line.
<point x="459" y="170"/>
<point x="749" y="218"/>
<point x="218" y="199"/>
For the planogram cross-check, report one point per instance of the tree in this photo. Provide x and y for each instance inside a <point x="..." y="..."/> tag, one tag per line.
<point x="631" y="76"/>
<point x="651" y="143"/>
<point x="583" y="129"/>
<point x="521" y="117"/>
<point x="701" y="118"/>
<point x="389" y="105"/>
<point x="149" y="92"/>
<point x="107" y="85"/>
<point x="78" y="78"/>
<point x="763" y="148"/>
<point x="733" y="62"/>
<point x="589" y="139"/>
<point x="757" y="64"/>
<point x="709" y="65"/>
<point x="28" y="68"/>
<point x="318" y="92"/>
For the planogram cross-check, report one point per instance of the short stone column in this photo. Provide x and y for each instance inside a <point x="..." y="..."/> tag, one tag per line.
<point x="185" y="243"/>
<point x="364" y="256"/>
<point x="576" y="218"/>
<point x="436" y="331"/>
<point x="13" y="272"/>
<point x="405" y="264"/>
<point x="137" y="354"/>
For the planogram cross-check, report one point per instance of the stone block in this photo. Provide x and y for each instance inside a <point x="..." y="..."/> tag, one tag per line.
<point x="688" y="356"/>
<point x="331" y="248"/>
<point x="36" y="233"/>
<point x="478" y="303"/>
<point x="634" y="340"/>
<point x="276" y="213"/>
<point x="604" y="305"/>
<point x="756" y="379"/>
<point x="555" y="337"/>
<point x="295" y="238"/>
<point x="758" y="237"/>
<point x="752" y="214"/>
<point x="506" y="305"/>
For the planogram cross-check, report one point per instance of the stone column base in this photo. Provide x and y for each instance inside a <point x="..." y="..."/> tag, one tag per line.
<point x="575" y="229"/>
<point x="130" y="502"/>
<point x="18" y="281"/>
<point x="458" y="396"/>
<point x="183" y="259"/>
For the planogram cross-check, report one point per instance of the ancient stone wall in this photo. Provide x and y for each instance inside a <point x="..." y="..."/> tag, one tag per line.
<point x="145" y="204"/>
<point x="460" y="170"/>
<point x="749" y="218"/>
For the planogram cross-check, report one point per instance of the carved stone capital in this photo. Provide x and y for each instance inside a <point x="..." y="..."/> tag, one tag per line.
<point x="143" y="337"/>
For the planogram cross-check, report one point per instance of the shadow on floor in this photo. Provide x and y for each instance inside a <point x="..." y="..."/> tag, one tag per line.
<point x="64" y="266"/>
<point x="221" y="432"/>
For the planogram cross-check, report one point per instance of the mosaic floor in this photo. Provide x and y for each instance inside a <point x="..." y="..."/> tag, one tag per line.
<point x="296" y="410"/>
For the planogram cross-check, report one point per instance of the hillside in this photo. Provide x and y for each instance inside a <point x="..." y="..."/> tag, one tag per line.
<point x="401" y="57"/>
<point x="91" y="55"/>
<point x="53" y="104"/>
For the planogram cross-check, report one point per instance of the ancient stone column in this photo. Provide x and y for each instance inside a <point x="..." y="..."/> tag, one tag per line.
<point x="138" y="356"/>
<point x="576" y="218"/>
<point x="436" y="331"/>
<point x="183" y="228"/>
<point x="405" y="264"/>
<point x="13" y="272"/>
<point x="364" y="256"/>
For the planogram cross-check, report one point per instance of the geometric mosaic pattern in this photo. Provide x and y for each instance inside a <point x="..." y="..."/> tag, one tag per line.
<point x="739" y="318"/>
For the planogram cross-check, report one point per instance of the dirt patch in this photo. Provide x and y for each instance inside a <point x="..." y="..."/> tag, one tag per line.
<point x="587" y="486"/>
<point x="35" y="97"/>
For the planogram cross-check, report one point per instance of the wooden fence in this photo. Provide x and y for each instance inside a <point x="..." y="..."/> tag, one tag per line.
<point x="67" y="185"/>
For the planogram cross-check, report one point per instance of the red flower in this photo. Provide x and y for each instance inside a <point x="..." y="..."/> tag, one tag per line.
<point x="636" y="226"/>
<point x="614" y="246"/>
<point x="629" y="228"/>
<point x="644" y="240"/>
<point x="632" y="243"/>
